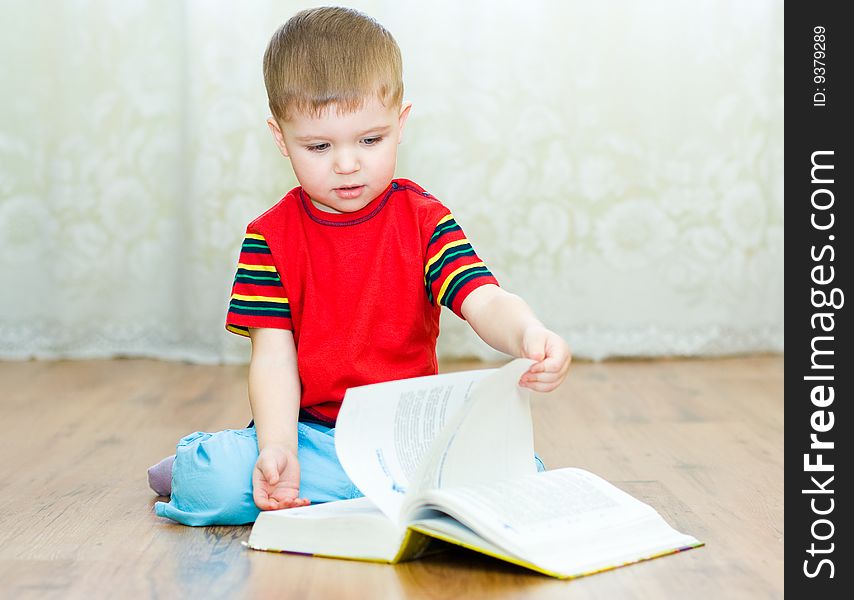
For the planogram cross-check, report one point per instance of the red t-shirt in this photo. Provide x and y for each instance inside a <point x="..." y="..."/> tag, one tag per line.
<point x="361" y="291"/>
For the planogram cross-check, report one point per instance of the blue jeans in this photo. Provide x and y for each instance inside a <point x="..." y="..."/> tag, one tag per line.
<point x="212" y="475"/>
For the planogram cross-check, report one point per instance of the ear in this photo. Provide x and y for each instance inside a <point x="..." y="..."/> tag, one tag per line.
<point x="278" y="136"/>
<point x="404" y="114"/>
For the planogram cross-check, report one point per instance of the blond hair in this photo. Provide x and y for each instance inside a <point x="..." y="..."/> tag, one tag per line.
<point x="331" y="55"/>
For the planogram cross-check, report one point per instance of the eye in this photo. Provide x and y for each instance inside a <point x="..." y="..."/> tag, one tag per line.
<point x="372" y="141"/>
<point x="317" y="147"/>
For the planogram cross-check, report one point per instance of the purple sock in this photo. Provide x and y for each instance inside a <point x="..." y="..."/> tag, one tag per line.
<point x="160" y="476"/>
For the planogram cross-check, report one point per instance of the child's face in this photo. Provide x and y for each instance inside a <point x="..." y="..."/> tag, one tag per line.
<point x="343" y="161"/>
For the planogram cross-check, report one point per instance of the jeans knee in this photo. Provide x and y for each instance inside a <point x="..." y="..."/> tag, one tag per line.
<point x="212" y="480"/>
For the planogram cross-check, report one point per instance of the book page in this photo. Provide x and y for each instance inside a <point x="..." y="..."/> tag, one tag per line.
<point x="533" y="508"/>
<point x="491" y="438"/>
<point x="451" y="530"/>
<point x="567" y="520"/>
<point x="385" y="430"/>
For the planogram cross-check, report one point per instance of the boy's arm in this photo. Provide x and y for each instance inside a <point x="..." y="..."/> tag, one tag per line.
<point x="506" y="322"/>
<point x="274" y="387"/>
<point x="274" y="395"/>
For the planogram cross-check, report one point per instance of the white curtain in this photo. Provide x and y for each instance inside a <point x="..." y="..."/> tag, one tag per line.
<point x="617" y="164"/>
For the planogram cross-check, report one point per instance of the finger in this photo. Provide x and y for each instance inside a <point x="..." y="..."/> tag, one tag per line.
<point x="275" y="500"/>
<point x="542" y="387"/>
<point x="535" y="353"/>
<point x="535" y="347"/>
<point x="261" y="491"/>
<point x="541" y="364"/>
<point x="262" y="500"/>
<point x="551" y="365"/>
<point x="558" y="355"/>
<point x="555" y="360"/>
<point x="271" y="474"/>
<point x="555" y="364"/>
<point x="529" y="378"/>
<point x="539" y="376"/>
<point x="553" y="379"/>
<point x="543" y="378"/>
<point x="267" y="504"/>
<point x="529" y="373"/>
<point x="258" y="483"/>
<point x="292" y="502"/>
<point x="285" y="493"/>
<point x="271" y="503"/>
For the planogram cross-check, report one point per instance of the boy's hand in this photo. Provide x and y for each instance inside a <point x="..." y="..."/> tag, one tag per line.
<point x="552" y="356"/>
<point x="275" y="479"/>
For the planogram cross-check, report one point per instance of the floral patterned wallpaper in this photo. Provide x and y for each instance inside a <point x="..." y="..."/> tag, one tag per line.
<point x="618" y="165"/>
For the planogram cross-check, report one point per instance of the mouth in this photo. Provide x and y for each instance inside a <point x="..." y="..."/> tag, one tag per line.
<point x="349" y="191"/>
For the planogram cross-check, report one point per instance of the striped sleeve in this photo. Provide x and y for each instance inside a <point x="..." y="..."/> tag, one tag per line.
<point x="258" y="298"/>
<point x="452" y="270"/>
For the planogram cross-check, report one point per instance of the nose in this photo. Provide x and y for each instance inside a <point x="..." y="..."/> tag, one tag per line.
<point x="346" y="162"/>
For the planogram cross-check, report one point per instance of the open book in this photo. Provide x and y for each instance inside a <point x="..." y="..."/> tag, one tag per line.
<point x="451" y="457"/>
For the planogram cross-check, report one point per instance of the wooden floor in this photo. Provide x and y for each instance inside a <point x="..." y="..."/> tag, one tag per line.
<point x="700" y="440"/>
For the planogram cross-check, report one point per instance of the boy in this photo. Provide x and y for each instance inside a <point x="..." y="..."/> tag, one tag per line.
<point x="339" y="284"/>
